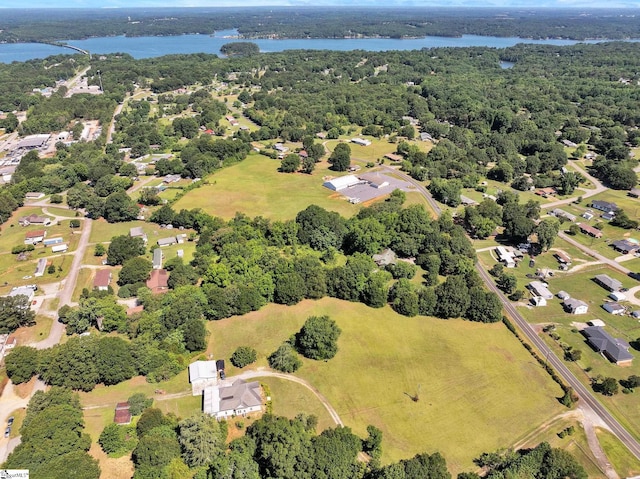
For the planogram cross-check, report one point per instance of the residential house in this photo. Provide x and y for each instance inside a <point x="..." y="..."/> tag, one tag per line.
<point x="605" y="206"/>
<point x="559" y="213"/>
<point x="614" y="308"/>
<point x="171" y="240"/>
<point x="122" y="414"/>
<point x="506" y="257"/>
<point x="587" y="215"/>
<point x="360" y="141"/>
<point x="393" y="157"/>
<point x="59" y="248"/>
<point x="239" y="399"/>
<point x="53" y="241"/>
<point x="634" y="193"/>
<point x="590" y="156"/>
<point x="10" y="343"/>
<point x="102" y="280"/>
<point x="35" y="237"/>
<point x="617" y="296"/>
<point x="41" y="266"/>
<point x="158" y="281"/>
<point x="545" y="192"/>
<point x="538" y="301"/>
<point x="171" y="178"/>
<point x="386" y="257"/>
<point x="569" y="143"/>
<point x="202" y="374"/>
<point x="34" y="195"/>
<point x="607" y="282"/>
<point x="614" y="349"/>
<point x="157" y="258"/>
<point x="135" y="310"/>
<point x="34" y="220"/>
<point x="27" y="291"/>
<point x="538" y="288"/>
<point x="625" y="246"/>
<point x="562" y="258"/>
<point x="575" y="306"/>
<point x="590" y="230"/>
<point x="466" y="201"/>
<point x="424" y="136"/>
<point x="138" y="232"/>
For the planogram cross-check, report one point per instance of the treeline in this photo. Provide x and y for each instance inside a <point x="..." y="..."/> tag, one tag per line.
<point x="289" y="22"/>
<point x="53" y="443"/>
<point x="246" y="263"/>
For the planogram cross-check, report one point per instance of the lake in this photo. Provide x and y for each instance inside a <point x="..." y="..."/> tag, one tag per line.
<point x="147" y="47"/>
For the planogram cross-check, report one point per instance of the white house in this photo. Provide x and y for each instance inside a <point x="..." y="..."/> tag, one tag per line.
<point x="239" y="399"/>
<point x="506" y="257"/>
<point x="576" y="306"/>
<point x="360" y="141"/>
<point x="202" y="374"/>
<point x="23" y="291"/>
<point x="538" y="301"/>
<point x="42" y="264"/>
<point x="171" y="240"/>
<point x="617" y="296"/>
<point x="538" y="288"/>
<point x="59" y="248"/>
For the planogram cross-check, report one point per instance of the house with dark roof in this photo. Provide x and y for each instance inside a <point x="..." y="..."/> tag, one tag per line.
<point x="605" y="206"/>
<point x="538" y="288"/>
<point x="138" y="232"/>
<point x="239" y="399"/>
<point x="614" y="308"/>
<point x="614" y="349"/>
<point x="34" y="220"/>
<point x="625" y="246"/>
<point x="122" y="414"/>
<point x="171" y="240"/>
<point x="607" y="282"/>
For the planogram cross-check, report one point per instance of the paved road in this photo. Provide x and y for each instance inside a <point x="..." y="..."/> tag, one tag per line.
<point x="588" y="400"/>
<point x="57" y="329"/>
<point x="598" y="188"/>
<point x="586" y="397"/>
<point x="594" y="254"/>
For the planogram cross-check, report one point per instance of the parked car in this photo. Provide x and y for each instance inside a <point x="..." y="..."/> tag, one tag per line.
<point x="222" y="375"/>
<point x="10" y="421"/>
<point x="7" y="431"/>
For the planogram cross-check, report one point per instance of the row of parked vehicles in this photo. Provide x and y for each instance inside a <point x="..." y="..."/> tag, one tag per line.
<point x="7" y="431"/>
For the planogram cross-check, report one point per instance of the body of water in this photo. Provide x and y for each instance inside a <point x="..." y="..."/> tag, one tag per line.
<point x="147" y="47"/>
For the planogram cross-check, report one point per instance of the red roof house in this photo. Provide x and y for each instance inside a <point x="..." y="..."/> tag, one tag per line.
<point x="158" y="281"/>
<point x="102" y="280"/>
<point x="122" y="414"/>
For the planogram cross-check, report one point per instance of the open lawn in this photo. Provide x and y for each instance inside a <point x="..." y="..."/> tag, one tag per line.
<point x="255" y="187"/>
<point x="34" y="333"/>
<point x="101" y="231"/>
<point x="85" y="280"/>
<point x="61" y="212"/>
<point x="289" y="399"/>
<point x="18" y="273"/>
<point x="461" y="371"/>
<point x="621" y="459"/>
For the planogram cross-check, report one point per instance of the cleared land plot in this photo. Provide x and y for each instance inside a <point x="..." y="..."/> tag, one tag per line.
<point x="462" y="372"/>
<point x="34" y="333"/>
<point x="255" y="187"/>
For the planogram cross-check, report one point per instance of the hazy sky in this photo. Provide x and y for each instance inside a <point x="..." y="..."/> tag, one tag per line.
<point x="249" y="3"/>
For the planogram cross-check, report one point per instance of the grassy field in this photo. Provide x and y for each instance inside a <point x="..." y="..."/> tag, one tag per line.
<point x="101" y="231"/>
<point x="34" y="333"/>
<point x="621" y="459"/>
<point x="85" y="280"/>
<point x="462" y="371"/>
<point x="580" y="285"/>
<point x="255" y="187"/>
<point x="576" y="443"/>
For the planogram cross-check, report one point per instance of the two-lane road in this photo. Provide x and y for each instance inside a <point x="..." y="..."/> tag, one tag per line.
<point x="585" y="395"/>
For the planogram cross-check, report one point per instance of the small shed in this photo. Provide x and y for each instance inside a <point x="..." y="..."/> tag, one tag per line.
<point x="617" y="296"/>
<point x="563" y="295"/>
<point x="122" y="414"/>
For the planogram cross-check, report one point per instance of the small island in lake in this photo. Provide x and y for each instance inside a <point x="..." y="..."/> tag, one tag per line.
<point x="243" y="49"/>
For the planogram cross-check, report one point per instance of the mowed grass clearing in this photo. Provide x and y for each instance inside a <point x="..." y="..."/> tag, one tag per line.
<point x="255" y="187"/>
<point x="479" y="389"/>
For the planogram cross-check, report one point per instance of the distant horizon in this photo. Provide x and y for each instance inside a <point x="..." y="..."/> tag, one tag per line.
<point x="386" y="4"/>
